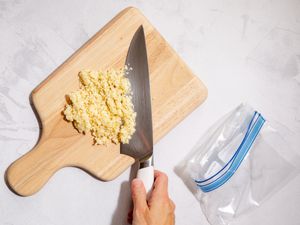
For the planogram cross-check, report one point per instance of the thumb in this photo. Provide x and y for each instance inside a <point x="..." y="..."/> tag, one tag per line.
<point x="138" y="194"/>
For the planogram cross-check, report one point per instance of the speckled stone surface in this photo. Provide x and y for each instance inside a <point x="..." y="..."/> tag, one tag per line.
<point x="246" y="50"/>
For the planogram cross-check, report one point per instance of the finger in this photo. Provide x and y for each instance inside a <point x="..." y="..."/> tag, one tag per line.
<point x="171" y="219"/>
<point x="138" y="194"/>
<point x="160" y="183"/>
<point x="172" y="205"/>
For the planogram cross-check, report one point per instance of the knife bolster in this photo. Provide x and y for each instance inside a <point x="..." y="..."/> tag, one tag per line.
<point x="146" y="163"/>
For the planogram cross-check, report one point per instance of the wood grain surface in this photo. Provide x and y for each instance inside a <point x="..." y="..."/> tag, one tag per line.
<point x="175" y="93"/>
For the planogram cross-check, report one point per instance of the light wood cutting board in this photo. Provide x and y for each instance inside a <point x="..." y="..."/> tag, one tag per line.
<point x="175" y="93"/>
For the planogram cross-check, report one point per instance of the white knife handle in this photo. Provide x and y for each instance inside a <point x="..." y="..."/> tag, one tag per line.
<point x="146" y="174"/>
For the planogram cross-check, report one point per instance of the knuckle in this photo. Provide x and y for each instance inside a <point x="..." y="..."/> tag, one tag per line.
<point x="142" y="208"/>
<point x="164" y="176"/>
<point x="172" y="205"/>
<point x="164" y="199"/>
<point x="139" y="212"/>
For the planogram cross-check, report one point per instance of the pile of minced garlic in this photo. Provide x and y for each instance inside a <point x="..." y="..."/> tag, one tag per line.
<point x="103" y="106"/>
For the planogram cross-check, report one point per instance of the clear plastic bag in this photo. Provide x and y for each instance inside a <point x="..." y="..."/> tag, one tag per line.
<point x="234" y="167"/>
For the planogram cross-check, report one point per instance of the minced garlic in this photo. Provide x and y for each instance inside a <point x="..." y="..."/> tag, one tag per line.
<point x="103" y="106"/>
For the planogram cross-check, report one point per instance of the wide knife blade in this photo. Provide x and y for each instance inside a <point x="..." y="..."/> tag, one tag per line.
<point x="140" y="145"/>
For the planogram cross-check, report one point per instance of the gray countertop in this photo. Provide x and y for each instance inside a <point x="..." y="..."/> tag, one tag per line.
<point x="245" y="50"/>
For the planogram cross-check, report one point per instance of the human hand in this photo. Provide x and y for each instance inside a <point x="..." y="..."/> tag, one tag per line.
<point x="159" y="210"/>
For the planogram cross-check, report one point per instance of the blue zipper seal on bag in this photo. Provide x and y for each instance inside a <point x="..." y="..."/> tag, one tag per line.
<point x="253" y="120"/>
<point x="254" y="127"/>
<point x="252" y="132"/>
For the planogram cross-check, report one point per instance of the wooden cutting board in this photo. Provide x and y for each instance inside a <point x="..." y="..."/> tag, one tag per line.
<point x="175" y="93"/>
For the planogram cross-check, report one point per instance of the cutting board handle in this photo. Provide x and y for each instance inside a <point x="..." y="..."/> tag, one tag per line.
<point x="29" y="173"/>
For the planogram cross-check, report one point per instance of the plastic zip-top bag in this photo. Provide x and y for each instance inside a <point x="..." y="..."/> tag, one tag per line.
<point x="240" y="162"/>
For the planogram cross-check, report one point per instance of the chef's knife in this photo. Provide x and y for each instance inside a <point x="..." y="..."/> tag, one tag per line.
<point x="140" y="145"/>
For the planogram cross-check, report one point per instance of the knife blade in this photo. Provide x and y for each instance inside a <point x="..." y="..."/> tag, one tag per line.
<point x="140" y="145"/>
